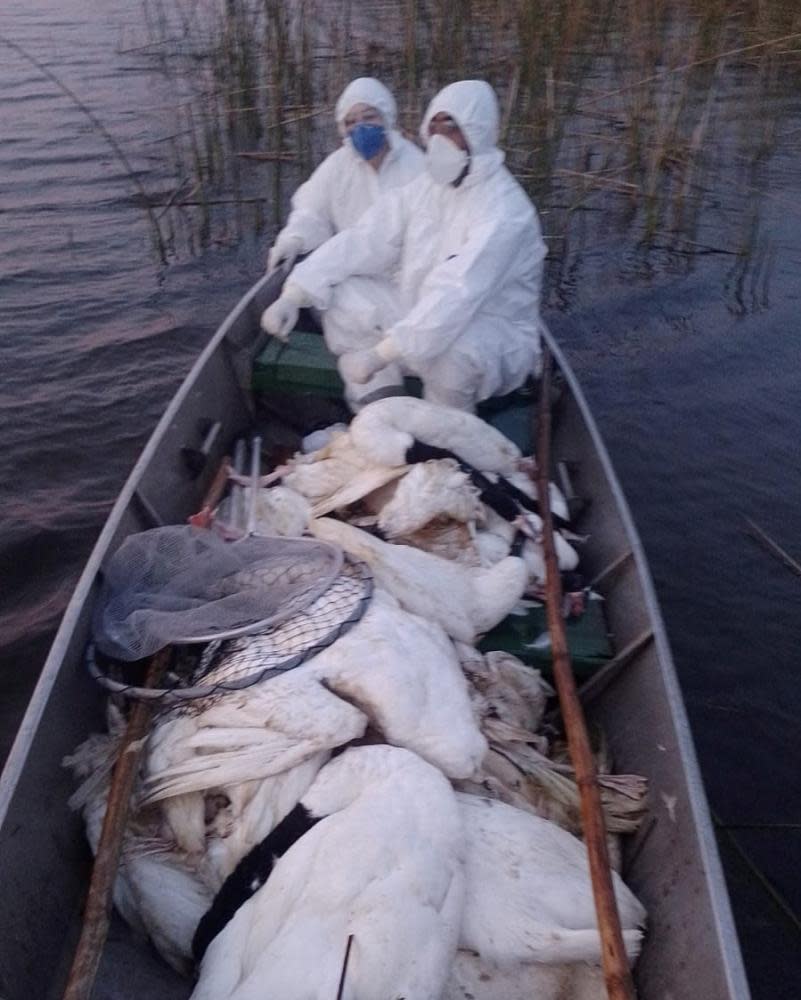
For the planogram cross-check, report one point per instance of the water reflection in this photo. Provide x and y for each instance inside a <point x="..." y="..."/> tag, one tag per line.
<point x="637" y="121"/>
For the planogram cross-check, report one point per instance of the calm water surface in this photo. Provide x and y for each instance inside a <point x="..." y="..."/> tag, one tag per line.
<point x="675" y="242"/>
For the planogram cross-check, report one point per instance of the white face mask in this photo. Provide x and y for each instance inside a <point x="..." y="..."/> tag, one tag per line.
<point x="444" y="160"/>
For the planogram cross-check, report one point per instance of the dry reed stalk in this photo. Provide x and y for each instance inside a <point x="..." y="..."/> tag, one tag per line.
<point x="284" y="156"/>
<point x="623" y="187"/>
<point x="691" y="65"/>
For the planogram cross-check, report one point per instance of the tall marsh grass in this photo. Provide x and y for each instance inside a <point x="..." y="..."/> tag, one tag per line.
<point x="619" y="107"/>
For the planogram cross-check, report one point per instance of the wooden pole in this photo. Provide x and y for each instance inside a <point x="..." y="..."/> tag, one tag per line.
<point x="97" y="912"/>
<point x="204" y="517"/>
<point x="619" y="984"/>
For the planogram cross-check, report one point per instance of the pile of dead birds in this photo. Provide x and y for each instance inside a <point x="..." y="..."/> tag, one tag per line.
<point x="392" y="818"/>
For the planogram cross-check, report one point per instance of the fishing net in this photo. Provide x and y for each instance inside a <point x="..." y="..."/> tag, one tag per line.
<point x="231" y="664"/>
<point x="179" y="584"/>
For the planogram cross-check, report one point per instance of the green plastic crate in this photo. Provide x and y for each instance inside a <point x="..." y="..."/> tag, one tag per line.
<point x="526" y="637"/>
<point x="513" y="416"/>
<point x="302" y="365"/>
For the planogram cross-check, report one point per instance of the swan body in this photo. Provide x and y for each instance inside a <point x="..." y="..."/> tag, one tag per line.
<point x="337" y="475"/>
<point x="383" y="865"/>
<point x="159" y="890"/>
<point x="430" y="490"/>
<point x="399" y="669"/>
<point x="494" y="541"/>
<point x="260" y="732"/>
<point x="384" y="431"/>
<point x="280" y="511"/>
<point x="466" y="601"/>
<point x="529" y="895"/>
<point x="509" y="691"/>
<point x="523" y="481"/>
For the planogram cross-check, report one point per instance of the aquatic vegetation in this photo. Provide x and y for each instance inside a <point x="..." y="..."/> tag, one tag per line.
<point x="613" y="114"/>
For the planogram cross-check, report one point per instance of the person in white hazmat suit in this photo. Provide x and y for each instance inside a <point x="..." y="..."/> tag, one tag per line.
<point x="440" y="278"/>
<point x="373" y="158"/>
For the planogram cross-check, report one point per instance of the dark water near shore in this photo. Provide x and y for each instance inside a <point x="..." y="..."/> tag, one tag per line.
<point x="673" y="286"/>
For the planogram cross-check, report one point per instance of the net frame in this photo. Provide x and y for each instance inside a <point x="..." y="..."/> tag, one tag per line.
<point x="178" y="584"/>
<point x="177" y="695"/>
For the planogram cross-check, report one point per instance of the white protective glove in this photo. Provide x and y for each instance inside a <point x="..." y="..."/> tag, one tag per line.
<point x="284" y="251"/>
<point x="280" y="318"/>
<point x="360" y="366"/>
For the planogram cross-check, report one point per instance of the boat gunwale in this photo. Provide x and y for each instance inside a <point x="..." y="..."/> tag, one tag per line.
<point x="725" y="928"/>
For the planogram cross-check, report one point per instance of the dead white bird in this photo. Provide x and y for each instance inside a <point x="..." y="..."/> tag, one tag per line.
<point x="266" y="731"/>
<point x="507" y="690"/>
<point x="380" y="866"/>
<point x="494" y="541"/>
<point x="529" y="895"/>
<point x="280" y="511"/>
<point x="399" y="669"/>
<point x="319" y="474"/>
<point x="385" y="431"/>
<point x="527" y="485"/>
<point x="430" y="490"/>
<point x="159" y="890"/>
<point x="466" y="601"/>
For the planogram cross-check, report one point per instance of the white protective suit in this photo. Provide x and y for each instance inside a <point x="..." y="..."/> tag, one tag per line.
<point x="448" y="276"/>
<point x="344" y="186"/>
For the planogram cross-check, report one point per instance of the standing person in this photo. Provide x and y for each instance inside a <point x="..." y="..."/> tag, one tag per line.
<point x="373" y="158"/>
<point x="441" y="278"/>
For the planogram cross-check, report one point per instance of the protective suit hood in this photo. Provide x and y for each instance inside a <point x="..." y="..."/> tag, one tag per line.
<point x="474" y="107"/>
<point x="366" y="90"/>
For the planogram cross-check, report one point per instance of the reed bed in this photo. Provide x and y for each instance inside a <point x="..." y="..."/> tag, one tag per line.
<point x="621" y="110"/>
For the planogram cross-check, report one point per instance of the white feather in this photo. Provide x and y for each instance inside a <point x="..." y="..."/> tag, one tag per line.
<point x="280" y="511"/>
<point x="258" y="732"/>
<point x="430" y="490"/>
<point x="400" y="670"/>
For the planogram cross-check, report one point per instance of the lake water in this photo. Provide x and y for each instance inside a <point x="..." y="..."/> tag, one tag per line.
<point x="668" y="183"/>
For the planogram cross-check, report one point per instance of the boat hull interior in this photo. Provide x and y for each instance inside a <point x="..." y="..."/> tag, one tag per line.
<point x="690" y="949"/>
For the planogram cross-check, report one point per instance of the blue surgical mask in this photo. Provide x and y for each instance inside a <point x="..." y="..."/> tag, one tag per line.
<point x="368" y="140"/>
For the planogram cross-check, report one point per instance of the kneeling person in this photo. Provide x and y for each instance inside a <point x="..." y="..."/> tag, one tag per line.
<point x="374" y="158"/>
<point x="440" y="278"/>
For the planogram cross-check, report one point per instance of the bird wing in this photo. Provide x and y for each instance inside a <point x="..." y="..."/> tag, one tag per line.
<point x="259" y="731"/>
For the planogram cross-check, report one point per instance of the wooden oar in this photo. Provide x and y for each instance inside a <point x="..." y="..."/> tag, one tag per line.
<point x="97" y="912"/>
<point x="619" y="984"/>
